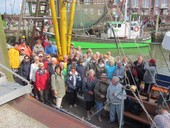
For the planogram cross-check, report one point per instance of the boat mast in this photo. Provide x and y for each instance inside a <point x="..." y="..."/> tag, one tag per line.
<point x="4" y="52"/>
<point x="62" y="35"/>
<point x="63" y="27"/>
<point x="20" y="19"/>
<point x="72" y="10"/>
<point x="55" y="24"/>
<point x="125" y="15"/>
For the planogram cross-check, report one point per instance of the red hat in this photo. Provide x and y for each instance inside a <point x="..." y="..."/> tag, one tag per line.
<point x="153" y="61"/>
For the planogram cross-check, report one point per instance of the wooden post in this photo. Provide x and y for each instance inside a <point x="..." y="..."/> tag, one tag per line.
<point x="20" y="20"/>
<point x="4" y="52"/>
<point x="157" y="25"/>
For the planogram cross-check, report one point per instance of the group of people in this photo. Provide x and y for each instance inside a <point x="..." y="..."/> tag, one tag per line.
<point x="98" y="77"/>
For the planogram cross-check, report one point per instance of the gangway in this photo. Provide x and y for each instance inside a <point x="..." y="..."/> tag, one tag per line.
<point x="11" y="90"/>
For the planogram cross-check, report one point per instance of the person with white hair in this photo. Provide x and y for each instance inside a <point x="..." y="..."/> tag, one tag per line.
<point x="92" y="64"/>
<point x="116" y="96"/>
<point x="63" y="70"/>
<point x="88" y="86"/>
<point x="51" y="65"/>
<point x="97" y="55"/>
<point x="109" y="55"/>
<point x="162" y="119"/>
<point x="77" y="55"/>
<point x="33" y="69"/>
<point x="80" y="51"/>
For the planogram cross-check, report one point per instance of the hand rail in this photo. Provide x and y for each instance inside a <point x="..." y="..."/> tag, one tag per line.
<point x="15" y="74"/>
<point x="167" y="82"/>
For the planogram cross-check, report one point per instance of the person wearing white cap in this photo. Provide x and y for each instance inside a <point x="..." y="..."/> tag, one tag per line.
<point x="26" y="49"/>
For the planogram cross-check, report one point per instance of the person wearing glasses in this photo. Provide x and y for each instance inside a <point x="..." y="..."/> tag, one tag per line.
<point x="24" y="70"/>
<point x="58" y="86"/>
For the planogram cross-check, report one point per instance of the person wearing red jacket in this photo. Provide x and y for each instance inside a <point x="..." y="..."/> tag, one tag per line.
<point x="42" y="82"/>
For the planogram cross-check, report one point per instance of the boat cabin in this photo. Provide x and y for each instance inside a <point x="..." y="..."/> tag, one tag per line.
<point x="123" y="29"/>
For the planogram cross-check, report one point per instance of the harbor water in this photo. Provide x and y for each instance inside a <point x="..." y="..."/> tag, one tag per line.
<point x="155" y="51"/>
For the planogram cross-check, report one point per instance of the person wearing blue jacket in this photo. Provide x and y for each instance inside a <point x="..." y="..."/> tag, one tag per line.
<point x="73" y="81"/>
<point x="51" y="49"/>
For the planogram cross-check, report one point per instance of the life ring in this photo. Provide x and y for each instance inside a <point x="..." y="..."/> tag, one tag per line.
<point x="136" y="29"/>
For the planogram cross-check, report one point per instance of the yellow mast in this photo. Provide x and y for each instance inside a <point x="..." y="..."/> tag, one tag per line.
<point x="63" y="27"/>
<point x="63" y="41"/>
<point x="72" y="10"/>
<point x="55" y="23"/>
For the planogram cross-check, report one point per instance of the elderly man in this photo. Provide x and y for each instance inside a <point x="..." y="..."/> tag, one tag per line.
<point x="116" y="96"/>
<point x="162" y="120"/>
<point x="51" y="49"/>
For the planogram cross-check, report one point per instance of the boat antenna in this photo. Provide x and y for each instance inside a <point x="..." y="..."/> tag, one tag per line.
<point x="13" y="7"/>
<point x="5" y="6"/>
<point x="112" y="27"/>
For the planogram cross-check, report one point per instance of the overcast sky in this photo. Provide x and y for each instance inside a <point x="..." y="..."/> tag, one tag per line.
<point x="10" y="6"/>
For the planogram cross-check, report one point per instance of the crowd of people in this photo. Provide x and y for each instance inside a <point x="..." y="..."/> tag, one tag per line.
<point x="96" y="76"/>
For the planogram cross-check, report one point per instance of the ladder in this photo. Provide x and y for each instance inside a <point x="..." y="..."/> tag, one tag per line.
<point x="38" y="16"/>
<point x="41" y="10"/>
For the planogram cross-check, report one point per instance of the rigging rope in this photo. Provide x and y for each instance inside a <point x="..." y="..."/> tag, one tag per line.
<point x="143" y="107"/>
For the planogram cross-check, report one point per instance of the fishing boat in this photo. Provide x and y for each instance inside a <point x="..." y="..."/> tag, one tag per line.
<point x="94" y="28"/>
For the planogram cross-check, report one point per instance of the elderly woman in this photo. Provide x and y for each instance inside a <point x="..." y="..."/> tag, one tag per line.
<point x="42" y="82"/>
<point x="101" y="68"/>
<point x="149" y="77"/>
<point x="37" y="48"/>
<point x="110" y="69"/>
<point x="89" y="84"/>
<point x="100" y="92"/>
<point x="116" y="96"/>
<point x="58" y="85"/>
<point x="33" y="69"/>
